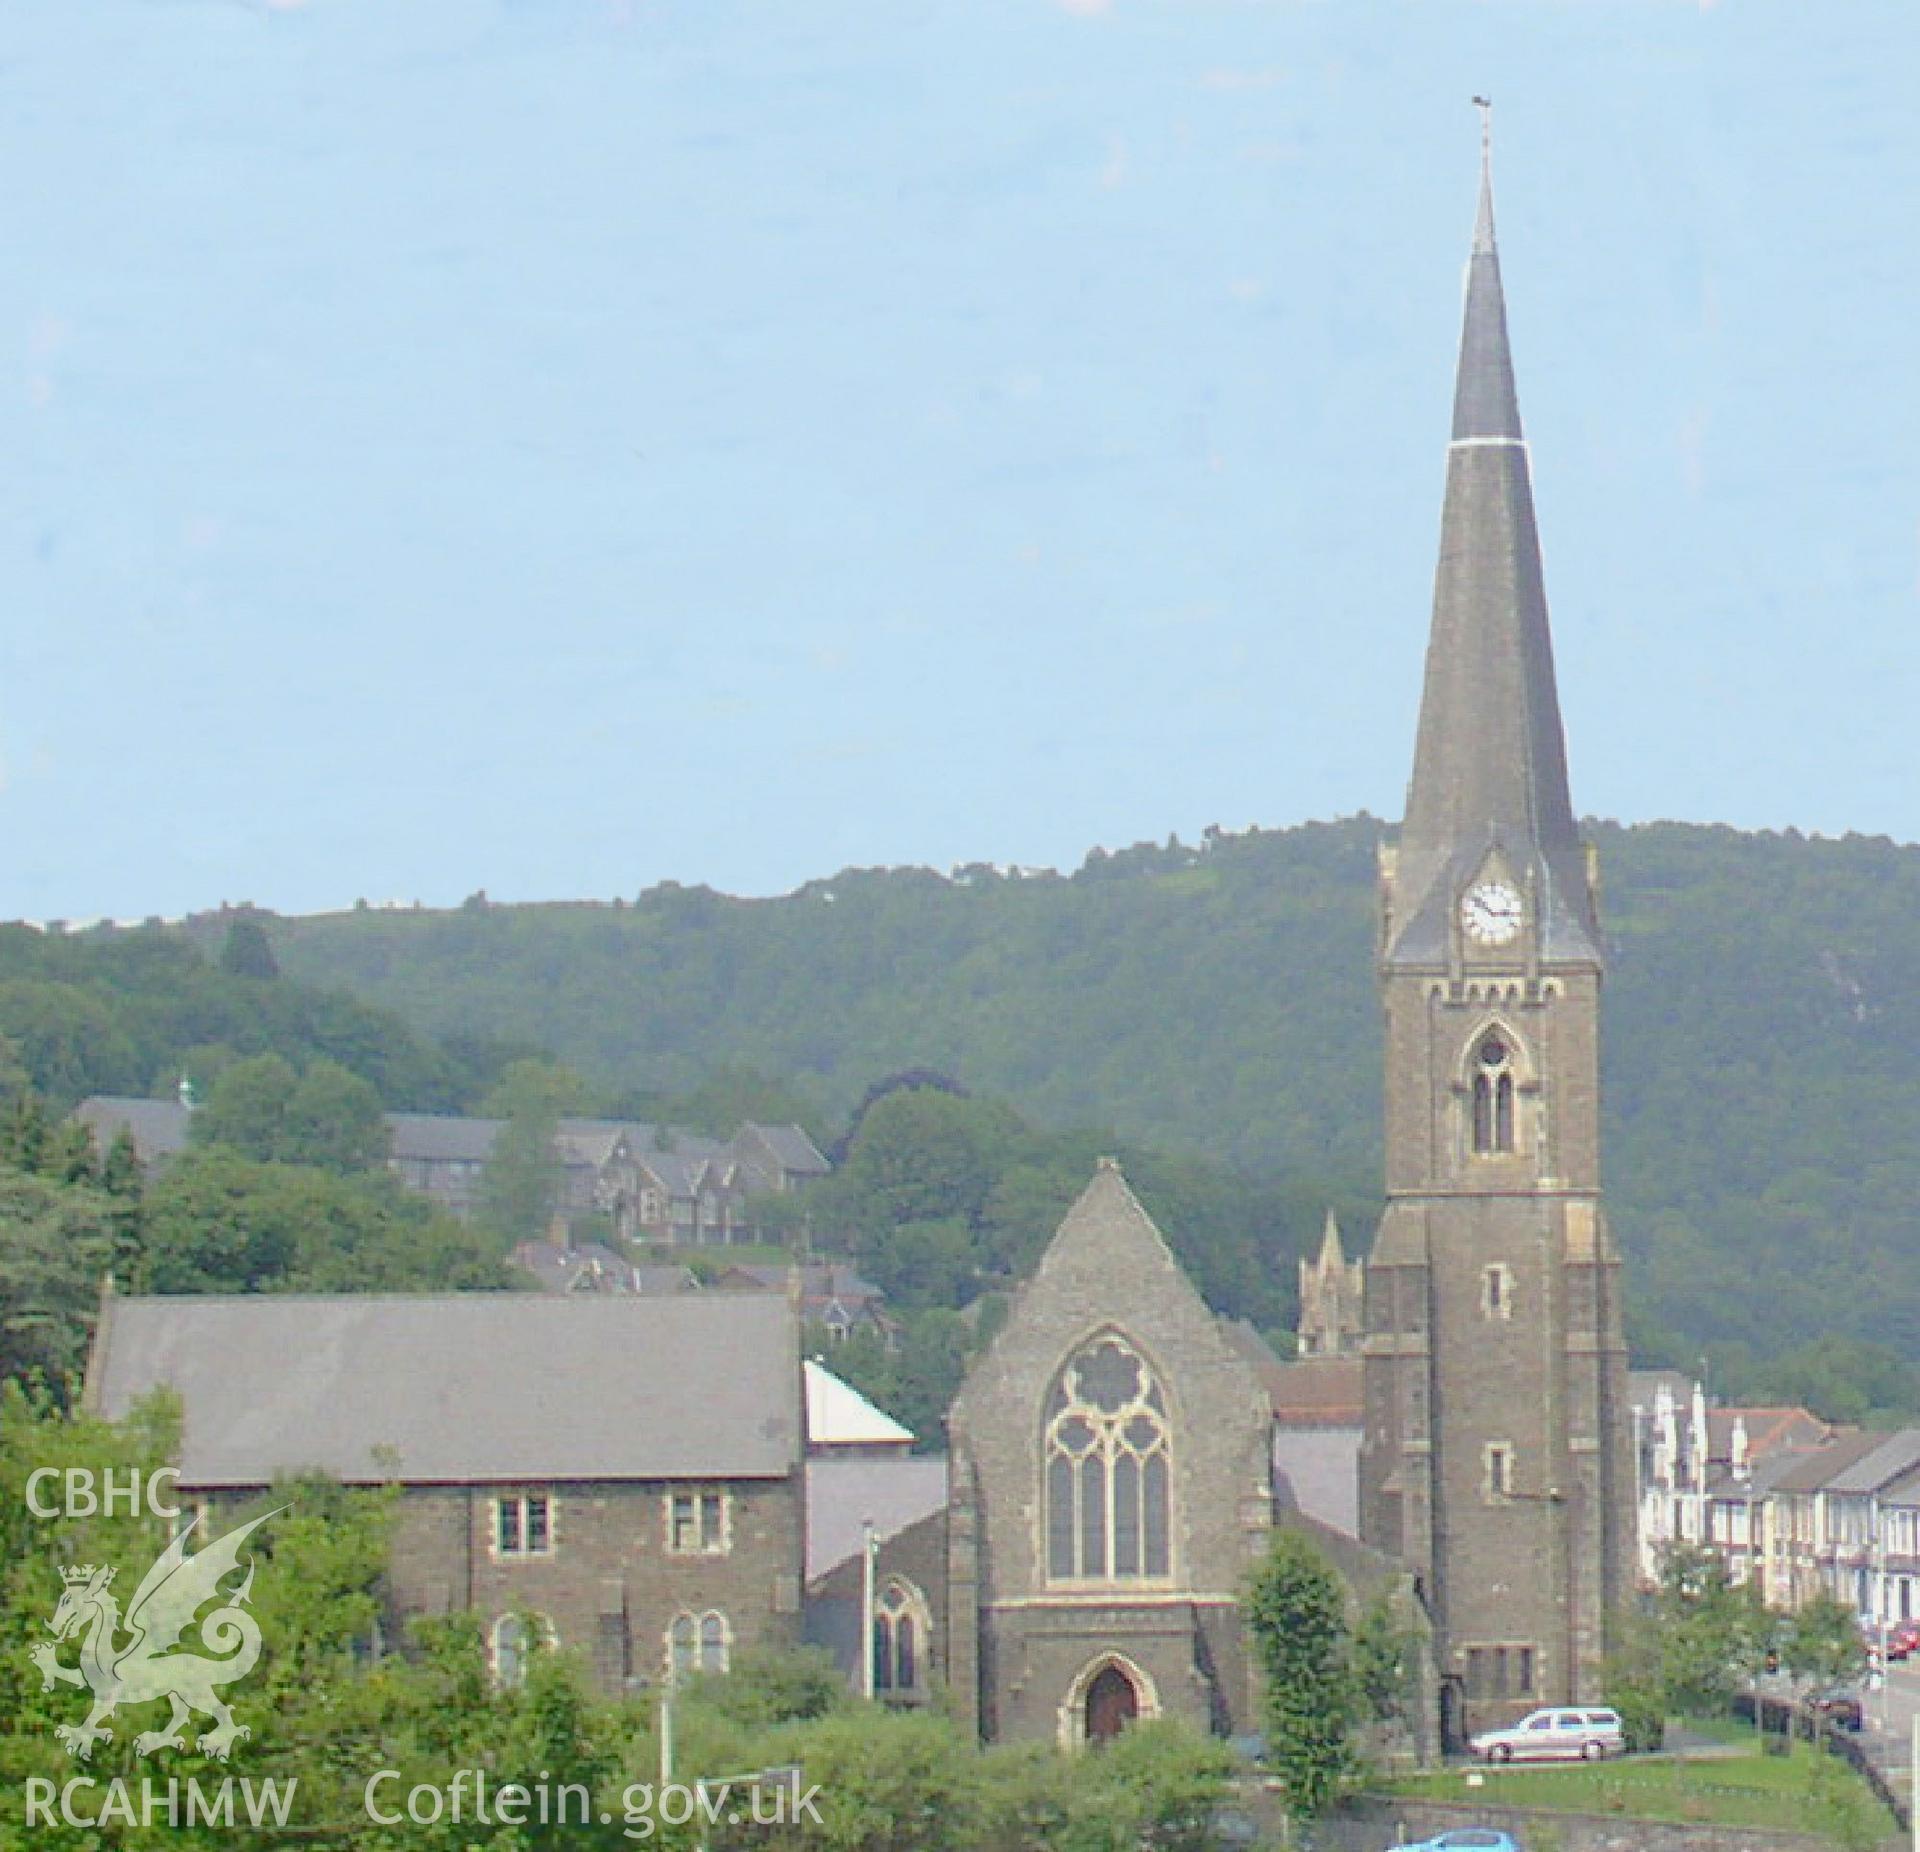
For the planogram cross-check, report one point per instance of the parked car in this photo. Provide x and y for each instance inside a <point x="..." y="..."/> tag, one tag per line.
<point x="1479" y="1838"/>
<point x="1903" y="1639"/>
<point x="1554" y="1735"/>
<point x="1839" y="1707"/>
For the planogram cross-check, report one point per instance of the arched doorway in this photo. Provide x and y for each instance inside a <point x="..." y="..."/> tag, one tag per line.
<point x="1112" y="1704"/>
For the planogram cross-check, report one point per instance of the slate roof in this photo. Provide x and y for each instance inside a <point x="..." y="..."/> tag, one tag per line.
<point x="843" y="1493"/>
<point x="663" y="1278"/>
<point x="443" y="1137"/>
<point x="1644" y="1386"/>
<point x="432" y="1137"/>
<point x="1814" y="1472"/>
<point x="1490" y="767"/>
<point x="818" y="1280"/>
<point x="644" y="1137"/>
<point x="465" y="1387"/>
<point x="1897" y="1454"/>
<point x="1729" y="1488"/>
<point x="159" y="1127"/>
<point x="791" y="1149"/>
<point x="590" y="1266"/>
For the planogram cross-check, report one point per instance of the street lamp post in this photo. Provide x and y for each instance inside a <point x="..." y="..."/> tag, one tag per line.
<point x="867" y="1549"/>
<point x="1877" y="1586"/>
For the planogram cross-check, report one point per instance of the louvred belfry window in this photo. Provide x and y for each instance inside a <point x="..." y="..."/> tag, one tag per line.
<point x="1108" y="1468"/>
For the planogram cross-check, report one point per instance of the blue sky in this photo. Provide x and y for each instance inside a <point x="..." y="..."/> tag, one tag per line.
<point x="559" y="445"/>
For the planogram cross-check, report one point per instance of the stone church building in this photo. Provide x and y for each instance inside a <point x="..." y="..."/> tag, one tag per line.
<point x="1116" y="1455"/>
<point x="1110" y="1492"/>
<point x="1112" y="1482"/>
<point x="1496" y="1460"/>
<point x="1117" y="1462"/>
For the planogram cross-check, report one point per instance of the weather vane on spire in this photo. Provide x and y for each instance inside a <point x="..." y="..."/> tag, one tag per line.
<point x="1484" y="104"/>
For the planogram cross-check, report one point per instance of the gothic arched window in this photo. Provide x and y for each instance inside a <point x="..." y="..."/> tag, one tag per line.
<point x="1108" y="1470"/>
<point x="513" y="1641"/>
<point x="698" y="1643"/>
<point x="900" y="1629"/>
<point x="1493" y="1084"/>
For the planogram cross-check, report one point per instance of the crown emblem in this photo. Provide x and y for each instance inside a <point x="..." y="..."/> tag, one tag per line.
<point x="83" y="1574"/>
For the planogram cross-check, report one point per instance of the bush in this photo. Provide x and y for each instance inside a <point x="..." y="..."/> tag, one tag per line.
<point x="1643" y="1718"/>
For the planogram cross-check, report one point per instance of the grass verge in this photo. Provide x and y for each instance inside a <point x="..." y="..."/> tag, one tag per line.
<point x="1808" y="1791"/>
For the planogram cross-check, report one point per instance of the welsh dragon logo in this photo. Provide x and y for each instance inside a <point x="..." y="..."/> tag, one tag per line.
<point x="141" y="1668"/>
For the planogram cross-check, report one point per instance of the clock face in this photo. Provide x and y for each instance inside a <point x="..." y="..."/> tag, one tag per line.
<point x="1491" y="912"/>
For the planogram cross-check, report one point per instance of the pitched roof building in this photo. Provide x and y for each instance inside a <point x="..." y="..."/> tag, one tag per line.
<point x="655" y="1183"/>
<point x="630" y="1469"/>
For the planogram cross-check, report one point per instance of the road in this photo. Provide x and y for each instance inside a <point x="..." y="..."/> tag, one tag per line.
<point x="1888" y="1737"/>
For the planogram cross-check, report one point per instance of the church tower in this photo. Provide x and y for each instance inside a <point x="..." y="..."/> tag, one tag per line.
<point x="1496" y="1456"/>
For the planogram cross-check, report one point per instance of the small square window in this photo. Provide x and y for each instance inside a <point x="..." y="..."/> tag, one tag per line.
<point x="697" y="1523"/>
<point x="523" y="1524"/>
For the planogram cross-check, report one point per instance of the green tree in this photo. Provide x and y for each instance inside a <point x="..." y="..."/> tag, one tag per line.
<point x="57" y="1243"/>
<point x="1820" y="1641"/>
<point x="70" y="1041"/>
<point x="889" y="1782"/>
<point x="1296" y="1611"/>
<point x="1158" y="1786"/>
<point x="246" y="1109"/>
<point x="1700" y="1638"/>
<point x="915" y="1378"/>
<point x="767" y="1687"/>
<point x="217" y="1222"/>
<point x="334" y="1120"/>
<point x="923" y="1155"/>
<point x="1384" y="1662"/>
<point x="523" y="1182"/>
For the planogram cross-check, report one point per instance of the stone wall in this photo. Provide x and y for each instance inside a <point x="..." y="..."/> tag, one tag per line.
<point x="610" y="1587"/>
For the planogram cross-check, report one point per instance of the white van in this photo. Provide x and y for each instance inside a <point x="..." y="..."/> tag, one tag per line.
<point x="1555" y="1735"/>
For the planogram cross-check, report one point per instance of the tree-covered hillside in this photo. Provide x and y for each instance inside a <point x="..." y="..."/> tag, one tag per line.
<point x="1763" y="1026"/>
<point x="129" y="1012"/>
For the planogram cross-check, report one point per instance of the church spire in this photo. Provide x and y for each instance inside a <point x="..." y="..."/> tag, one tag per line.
<point x="1489" y="773"/>
<point x="1484" y="402"/>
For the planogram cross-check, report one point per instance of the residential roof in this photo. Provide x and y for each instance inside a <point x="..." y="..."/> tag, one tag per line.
<point x="790" y="1148"/>
<point x="678" y="1159"/>
<point x="647" y="1138"/>
<point x="1769" y="1430"/>
<point x="1730" y="1488"/>
<point x="158" y="1127"/>
<point x="572" y="1269"/>
<point x="433" y="1137"/>
<point x="1815" y="1471"/>
<point x="818" y="1280"/>
<point x="1897" y="1453"/>
<point x="662" y="1278"/>
<point x="1643" y="1386"/>
<point x="465" y="1387"/>
<point x="838" y="1415"/>
<point x="843" y="1493"/>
